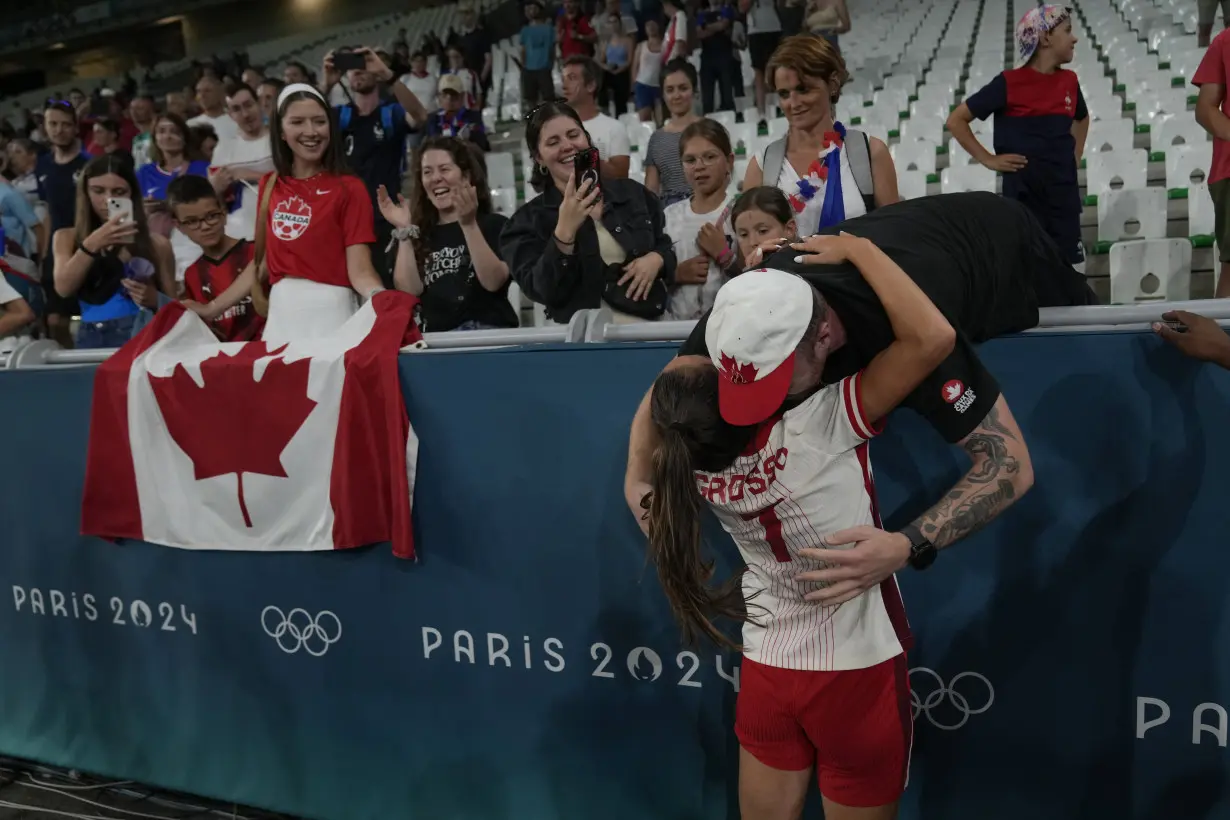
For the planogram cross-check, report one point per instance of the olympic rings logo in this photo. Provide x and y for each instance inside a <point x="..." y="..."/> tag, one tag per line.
<point x="958" y="711"/>
<point x="297" y="630"/>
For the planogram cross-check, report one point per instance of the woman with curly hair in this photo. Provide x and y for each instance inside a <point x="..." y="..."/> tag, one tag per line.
<point x="447" y="238"/>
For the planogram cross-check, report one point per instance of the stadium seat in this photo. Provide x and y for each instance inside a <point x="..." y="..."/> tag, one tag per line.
<point x="1111" y="135"/>
<point x="1138" y="213"/>
<point x="1200" y="220"/>
<point x="914" y="155"/>
<point x="911" y="184"/>
<point x="1150" y="270"/>
<point x="1188" y="165"/>
<point x="1117" y="169"/>
<point x="1175" y="129"/>
<point x="967" y="178"/>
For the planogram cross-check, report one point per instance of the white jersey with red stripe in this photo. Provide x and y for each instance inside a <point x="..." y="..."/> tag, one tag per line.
<point x="805" y="475"/>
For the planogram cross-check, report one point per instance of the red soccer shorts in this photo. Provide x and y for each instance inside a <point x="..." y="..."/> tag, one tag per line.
<point x="855" y="726"/>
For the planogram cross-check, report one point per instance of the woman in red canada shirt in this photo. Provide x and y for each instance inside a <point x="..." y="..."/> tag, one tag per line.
<point x="318" y="225"/>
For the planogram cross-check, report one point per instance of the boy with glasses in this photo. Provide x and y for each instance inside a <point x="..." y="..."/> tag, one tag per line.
<point x="226" y="263"/>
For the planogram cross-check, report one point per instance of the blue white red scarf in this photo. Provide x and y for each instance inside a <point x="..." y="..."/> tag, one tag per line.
<point x="824" y="171"/>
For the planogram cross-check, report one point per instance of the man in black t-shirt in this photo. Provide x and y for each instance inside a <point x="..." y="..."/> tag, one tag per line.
<point x="988" y="265"/>
<point x="476" y="46"/>
<point x="57" y="173"/>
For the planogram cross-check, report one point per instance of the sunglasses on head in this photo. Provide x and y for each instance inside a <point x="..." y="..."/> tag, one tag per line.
<point x="542" y="105"/>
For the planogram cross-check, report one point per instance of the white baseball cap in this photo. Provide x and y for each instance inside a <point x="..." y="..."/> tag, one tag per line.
<point x="757" y="322"/>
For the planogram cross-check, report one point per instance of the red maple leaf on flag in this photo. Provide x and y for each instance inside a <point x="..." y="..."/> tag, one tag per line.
<point x="738" y="373"/>
<point x="234" y="423"/>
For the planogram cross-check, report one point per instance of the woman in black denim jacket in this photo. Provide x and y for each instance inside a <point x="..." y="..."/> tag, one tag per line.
<point x="555" y="248"/>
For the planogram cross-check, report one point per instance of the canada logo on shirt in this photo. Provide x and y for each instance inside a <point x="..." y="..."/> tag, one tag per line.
<point x="291" y="218"/>
<point x="953" y="390"/>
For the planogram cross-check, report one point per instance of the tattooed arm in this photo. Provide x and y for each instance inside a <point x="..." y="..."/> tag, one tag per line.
<point x="1001" y="473"/>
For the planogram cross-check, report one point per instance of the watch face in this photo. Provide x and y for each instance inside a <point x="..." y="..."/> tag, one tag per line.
<point x="922" y="555"/>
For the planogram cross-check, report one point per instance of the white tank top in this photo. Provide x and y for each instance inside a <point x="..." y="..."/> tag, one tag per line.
<point x="650" y="68"/>
<point x="762" y="18"/>
<point x="809" y="218"/>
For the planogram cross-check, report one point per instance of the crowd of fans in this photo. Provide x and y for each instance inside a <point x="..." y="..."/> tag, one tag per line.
<point x="631" y="43"/>
<point x="195" y="172"/>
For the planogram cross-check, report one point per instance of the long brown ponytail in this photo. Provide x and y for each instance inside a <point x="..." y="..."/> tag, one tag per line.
<point x="693" y="437"/>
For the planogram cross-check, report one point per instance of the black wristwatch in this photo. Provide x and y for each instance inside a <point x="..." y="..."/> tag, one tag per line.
<point x="922" y="551"/>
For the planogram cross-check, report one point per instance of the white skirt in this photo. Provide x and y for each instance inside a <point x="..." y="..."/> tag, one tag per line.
<point x="303" y="310"/>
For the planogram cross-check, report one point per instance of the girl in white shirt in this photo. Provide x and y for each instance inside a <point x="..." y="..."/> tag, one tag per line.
<point x="700" y="226"/>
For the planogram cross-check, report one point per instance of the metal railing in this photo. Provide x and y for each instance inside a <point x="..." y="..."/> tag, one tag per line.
<point x="597" y="326"/>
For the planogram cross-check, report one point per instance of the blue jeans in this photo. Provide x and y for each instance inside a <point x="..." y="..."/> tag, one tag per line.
<point x="111" y="333"/>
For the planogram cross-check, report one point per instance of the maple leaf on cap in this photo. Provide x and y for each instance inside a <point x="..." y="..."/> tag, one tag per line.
<point x="234" y="423"/>
<point x="738" y="373"/>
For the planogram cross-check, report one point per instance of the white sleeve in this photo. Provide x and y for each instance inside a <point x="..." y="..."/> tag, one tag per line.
<point x="834" y="417"/>
<point x="620" y="146"/>
<point x="222" y="153"/>
<point x="7" y="293"/>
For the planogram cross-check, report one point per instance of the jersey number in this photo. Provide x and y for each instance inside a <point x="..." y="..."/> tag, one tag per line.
<point x="772" y="530"/>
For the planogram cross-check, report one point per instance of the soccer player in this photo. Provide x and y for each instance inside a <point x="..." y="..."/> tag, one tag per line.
<point x="988" y="266"/>
<point x="823" y="685"/>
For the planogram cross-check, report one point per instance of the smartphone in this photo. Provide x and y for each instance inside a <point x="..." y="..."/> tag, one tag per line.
<point x="585" y="166"/>
<point x="120" y="206"/>
<point x="349" y="61"/>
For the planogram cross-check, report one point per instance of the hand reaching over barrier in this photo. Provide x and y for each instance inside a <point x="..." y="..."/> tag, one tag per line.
<point x="1197" y="336"/>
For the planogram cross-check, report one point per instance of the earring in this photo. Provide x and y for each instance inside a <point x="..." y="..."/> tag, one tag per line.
<point x="542" y="169"/>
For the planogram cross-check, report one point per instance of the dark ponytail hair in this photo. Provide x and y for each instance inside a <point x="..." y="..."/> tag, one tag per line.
<point x="765" y="198"/>
<point x="537" y="118"/>
<point x="684" y="410"/>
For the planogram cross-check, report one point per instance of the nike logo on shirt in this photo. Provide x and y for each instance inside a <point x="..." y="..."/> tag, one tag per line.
<point x="320" y="192"/>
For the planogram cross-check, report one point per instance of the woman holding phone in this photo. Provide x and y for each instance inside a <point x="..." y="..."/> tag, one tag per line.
<point x="110" y="261"/>
<point x="581" y="245"/>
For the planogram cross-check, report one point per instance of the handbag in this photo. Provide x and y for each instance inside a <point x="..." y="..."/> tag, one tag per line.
<point x="260" y="289"/>
<point x="616" y="295"/>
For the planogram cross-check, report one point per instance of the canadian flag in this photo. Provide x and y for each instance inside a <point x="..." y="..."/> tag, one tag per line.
<point x="206" y="445"/>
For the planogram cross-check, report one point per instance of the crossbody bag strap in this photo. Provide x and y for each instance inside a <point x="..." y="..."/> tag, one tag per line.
<point x="858" y="152"/>
<point x="774" y="156"/>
